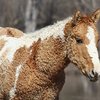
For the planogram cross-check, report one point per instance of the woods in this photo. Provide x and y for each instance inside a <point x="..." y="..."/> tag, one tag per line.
<point x="27" y="14"/>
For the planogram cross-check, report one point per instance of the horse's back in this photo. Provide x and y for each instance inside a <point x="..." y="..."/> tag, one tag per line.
<point x="12" y="32"/>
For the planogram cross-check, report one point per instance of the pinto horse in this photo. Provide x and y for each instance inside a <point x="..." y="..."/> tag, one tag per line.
<point x="32" y="66"/>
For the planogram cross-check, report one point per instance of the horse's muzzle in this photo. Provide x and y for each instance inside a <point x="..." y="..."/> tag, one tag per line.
<point x="93" y="76"/>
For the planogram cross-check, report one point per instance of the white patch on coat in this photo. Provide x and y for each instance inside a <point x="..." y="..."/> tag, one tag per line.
<point x="92" y="50"/>
<point x="12" y="44"/>
<point x="13" y="89"/>
<point x="53" y="30"/>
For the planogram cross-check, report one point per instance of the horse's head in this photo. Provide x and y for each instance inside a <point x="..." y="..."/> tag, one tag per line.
<point x="82" y="37"/>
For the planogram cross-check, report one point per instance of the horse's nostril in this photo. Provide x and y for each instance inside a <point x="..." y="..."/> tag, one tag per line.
<point x="93" y="72"/>
<point x="93" y="76"/>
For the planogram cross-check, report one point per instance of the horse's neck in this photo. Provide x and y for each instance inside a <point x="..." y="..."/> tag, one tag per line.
<point x="51" y="52"/>
<point x="49" y="56"/>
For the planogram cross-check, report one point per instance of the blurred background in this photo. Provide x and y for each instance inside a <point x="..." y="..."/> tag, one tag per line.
<point x="30" y="15"/>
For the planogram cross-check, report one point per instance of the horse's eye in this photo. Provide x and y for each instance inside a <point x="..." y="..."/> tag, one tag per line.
<point x="79" y="41"/>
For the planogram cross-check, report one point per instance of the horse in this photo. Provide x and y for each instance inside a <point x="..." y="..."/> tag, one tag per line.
<point x="32" y="65"/>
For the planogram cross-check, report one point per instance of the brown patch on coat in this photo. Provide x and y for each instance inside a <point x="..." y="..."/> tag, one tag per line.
<point x="20" y="56"/>
<point x="51" y="53"/>
<point x="13" y="32"/>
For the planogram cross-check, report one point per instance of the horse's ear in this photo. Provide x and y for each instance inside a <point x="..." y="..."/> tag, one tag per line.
<point x="76" y="17"/>
<point x="96" y="16"/>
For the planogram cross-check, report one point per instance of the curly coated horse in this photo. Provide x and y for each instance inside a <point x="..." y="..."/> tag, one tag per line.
<point x="32" y="65"/>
